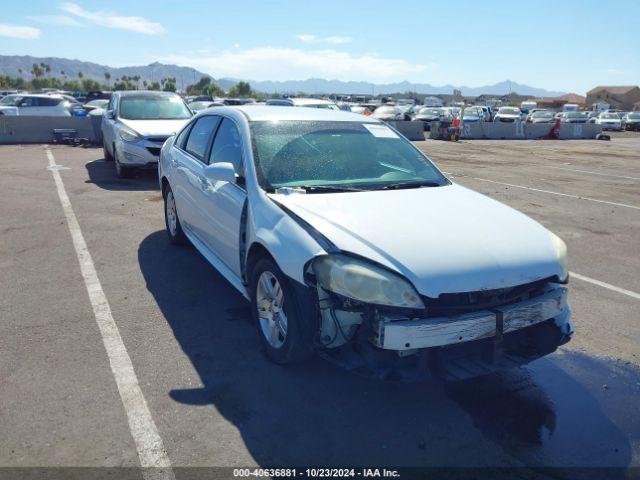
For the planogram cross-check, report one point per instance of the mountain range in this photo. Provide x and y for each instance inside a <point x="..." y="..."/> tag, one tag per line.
<point x="12" y="64"/>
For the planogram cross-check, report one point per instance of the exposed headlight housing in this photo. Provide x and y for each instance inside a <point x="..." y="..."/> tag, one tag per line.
<point x="129" y="135"/>
<point x="364" y="282"/>
<point x="561" y="253"/>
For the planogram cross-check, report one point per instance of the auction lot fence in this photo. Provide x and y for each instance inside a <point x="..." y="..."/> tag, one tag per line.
<point x="28" y="129"/>
<point x="527" y="131"/>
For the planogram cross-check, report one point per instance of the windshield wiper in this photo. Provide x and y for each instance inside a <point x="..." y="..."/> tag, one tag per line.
<point x="329" y="188"/>
<point x="399" y="186"/>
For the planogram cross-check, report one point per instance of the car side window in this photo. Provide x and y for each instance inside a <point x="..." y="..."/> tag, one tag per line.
<point x="200" y="135"/>
<point x="227" y="146"/>
<point x="28" y="102"/>
<point x="182" y="136"/>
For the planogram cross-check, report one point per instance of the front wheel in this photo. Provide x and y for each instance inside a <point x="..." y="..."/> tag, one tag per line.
<point x="285" y="326"/>
<point x="105" y="153"/>
<point x="122" y="171"/>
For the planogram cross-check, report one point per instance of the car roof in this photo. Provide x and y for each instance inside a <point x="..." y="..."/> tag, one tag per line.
<point x="36" y="95"/>
<point x="269" y="113"/>
<point x="142" y="93"/>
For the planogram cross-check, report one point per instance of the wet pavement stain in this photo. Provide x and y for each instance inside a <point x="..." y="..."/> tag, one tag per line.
<point x="567" y="410"/>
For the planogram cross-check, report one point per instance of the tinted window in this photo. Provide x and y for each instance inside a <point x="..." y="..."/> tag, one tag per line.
<point x="227" y="147"/>
<point x="48" y="102"/>
<point x="200" y="135"/>
<point x="182" y="136"/>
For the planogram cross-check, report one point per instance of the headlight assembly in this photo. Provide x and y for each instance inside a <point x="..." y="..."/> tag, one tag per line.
<point x="561" y="252"/>
<point x="365" y="282"/>
<point x="128" y="135"/>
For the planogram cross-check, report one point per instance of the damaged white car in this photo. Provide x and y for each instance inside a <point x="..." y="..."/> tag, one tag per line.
<point x="348" y="241"/>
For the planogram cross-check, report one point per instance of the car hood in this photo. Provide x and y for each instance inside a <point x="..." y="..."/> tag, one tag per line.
<point x="507" y="115"/>
<point x="9" y="109"/>
<point x="443" y="239"/>
<point x="155" y="127"/>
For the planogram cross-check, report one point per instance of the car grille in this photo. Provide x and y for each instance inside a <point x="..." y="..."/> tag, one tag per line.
<point x="464" y="302"/>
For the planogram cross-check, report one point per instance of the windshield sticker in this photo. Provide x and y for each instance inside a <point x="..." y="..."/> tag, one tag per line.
<point x="380" y="131"/>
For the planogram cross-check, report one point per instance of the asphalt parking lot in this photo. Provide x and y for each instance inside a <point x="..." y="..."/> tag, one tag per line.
<point x="214" y="398"/>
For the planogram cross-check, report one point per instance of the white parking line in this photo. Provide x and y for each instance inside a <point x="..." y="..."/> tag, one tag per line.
<point x="605" y="285"/>
<point x="635" y="207"/>
<point x="593" y="173"/>
<point x="149" y="445"/>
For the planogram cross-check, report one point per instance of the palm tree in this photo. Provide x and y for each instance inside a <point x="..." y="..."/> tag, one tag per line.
<point x="107" y="77"/>
<point x="80" y="75"/>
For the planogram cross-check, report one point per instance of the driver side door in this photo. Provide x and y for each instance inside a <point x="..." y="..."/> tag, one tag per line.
<point x="223" y="202"/>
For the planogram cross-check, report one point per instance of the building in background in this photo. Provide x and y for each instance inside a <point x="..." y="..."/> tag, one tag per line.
<point x="556" y="103"/>
<point x="621" y="98"/>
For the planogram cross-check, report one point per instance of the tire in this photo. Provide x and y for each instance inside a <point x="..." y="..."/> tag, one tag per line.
<point x="171" y="220"/>
<point x="121" y="170"/>
<point x="285" y="308"/>
<point x="105" y="152"/>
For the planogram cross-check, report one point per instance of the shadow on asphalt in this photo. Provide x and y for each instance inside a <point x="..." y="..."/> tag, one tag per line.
<point x="103" y="174"/>
<point x="548" y="414"/>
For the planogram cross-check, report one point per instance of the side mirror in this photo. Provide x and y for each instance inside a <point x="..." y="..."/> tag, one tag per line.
<point x="220" y="172"/>
<point x="109" y="114"/>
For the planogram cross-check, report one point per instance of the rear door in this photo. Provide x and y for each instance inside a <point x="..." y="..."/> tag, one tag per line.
<point x="189" y="183"/>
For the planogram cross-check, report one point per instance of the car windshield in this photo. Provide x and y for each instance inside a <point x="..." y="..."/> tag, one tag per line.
<point x="387" y="110"/>
<point x="196" y="106"/>
<point x="430" y="111"/>
<point x="98" y="103"/>
<point x="11" y="100"/>
<point x="542" y="114"/>
<point x="509" y="111"/>
<point x="576" y="115"/>
<point x="147" y="107"/>
<point x="338" y="155"/>
<point x="472" y="112"/>
<point x="611" y="116"/>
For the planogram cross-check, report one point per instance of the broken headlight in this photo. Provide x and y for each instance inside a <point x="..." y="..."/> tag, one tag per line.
<point x="365" y="282"/>
<point x="561" y="252"/>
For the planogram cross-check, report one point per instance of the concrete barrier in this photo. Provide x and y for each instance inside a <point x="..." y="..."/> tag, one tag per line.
<point x="411" y="130"/>
<point x="29" y="129"/>
<point x="527" y="131"/>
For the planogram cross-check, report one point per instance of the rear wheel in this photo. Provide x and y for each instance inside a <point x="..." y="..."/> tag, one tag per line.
<point x="284" y="325"/>
<point x="171" y="220"/>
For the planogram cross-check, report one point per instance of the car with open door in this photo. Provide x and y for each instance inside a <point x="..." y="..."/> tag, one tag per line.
<point x="348" y="241"/>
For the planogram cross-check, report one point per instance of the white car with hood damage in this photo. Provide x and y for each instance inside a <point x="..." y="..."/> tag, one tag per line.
<point x="136" y="123"/>
<point x="349" y="241"/>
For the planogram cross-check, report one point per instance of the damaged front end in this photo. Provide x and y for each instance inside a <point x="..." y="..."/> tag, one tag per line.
<point x="373" y="322"/>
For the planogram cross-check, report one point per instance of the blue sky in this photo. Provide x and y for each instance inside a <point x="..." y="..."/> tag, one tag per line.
<point x="567" y="45"/>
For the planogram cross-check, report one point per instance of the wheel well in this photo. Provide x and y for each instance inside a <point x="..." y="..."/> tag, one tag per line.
<point x="256" y="252"/>
<point x="165" y="184"/>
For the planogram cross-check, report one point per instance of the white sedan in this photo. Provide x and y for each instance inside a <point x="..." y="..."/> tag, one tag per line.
<point x="349" y="241"/>
<point x="609" y="121"/>
<point x="508" y="114"/>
